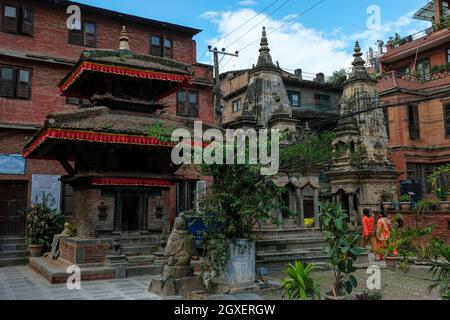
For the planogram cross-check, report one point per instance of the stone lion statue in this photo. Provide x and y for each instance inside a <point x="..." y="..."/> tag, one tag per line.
<point x="180" y="247"/>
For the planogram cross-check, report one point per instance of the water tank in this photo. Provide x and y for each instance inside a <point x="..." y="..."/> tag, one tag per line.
<point x="411" y="187"/>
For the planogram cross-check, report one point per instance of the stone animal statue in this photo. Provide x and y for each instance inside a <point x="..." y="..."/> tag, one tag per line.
<point x="180" y="247"/>
<point x="68" y="231"/>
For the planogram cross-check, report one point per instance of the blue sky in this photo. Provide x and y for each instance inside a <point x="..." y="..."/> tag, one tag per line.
<point x="319" y="41"/>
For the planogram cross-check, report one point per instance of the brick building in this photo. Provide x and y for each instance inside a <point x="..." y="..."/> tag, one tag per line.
<point x="37" y="50"/>
<point x="416" y="89"/>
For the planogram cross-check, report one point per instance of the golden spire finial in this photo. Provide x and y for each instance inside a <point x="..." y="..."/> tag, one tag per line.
<point x="124" y="45"/>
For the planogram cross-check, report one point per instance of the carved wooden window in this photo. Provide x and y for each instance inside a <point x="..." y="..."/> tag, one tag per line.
<point x="18" y="19"/>
<point x="189" y="194"/>
<point x="85" y="35"/>
<point x="161" y="47"/>
<point x="447" y="120"/>
<point x="168" y="48"/>
<point x="188" y="104"/>
<point x="413" y="122"/>
<point x="15" y="82"/>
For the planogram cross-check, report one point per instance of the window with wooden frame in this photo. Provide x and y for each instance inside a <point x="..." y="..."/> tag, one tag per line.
<point x="161" y="47"/>
<point x="386" y="121"/>
<point x="447" y="120"/>
<point x="18" y="19"/>
<point x="188" y="104"/>
<point x="85" y="36"/>
<point x="322" y="102"/>
<point x="15" y="82"/>
<point x="237" y="105"/>
<point x="295" y="99"/>
<point x="448" y="55"/>
<point x="413" y="122"/>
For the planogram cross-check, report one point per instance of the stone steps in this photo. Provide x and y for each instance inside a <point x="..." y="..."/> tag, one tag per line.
<point x="290" y="244"/>
<point x="12" y="254"/>
<point x="289" y="233"/>
<point x="13" y="251"/>
<point x="142" y="250"/>
<point x="144" y="270"/>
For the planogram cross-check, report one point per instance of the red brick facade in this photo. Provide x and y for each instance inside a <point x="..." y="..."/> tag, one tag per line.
<point x="439" y="220"/>
<point x="417" y="97"/>
<point x="49" y="56"/>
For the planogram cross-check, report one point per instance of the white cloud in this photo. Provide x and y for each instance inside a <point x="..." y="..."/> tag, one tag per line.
<point x="247" y="3"/>
<point x="294" y="46"/>
<point x="405" y="25"/>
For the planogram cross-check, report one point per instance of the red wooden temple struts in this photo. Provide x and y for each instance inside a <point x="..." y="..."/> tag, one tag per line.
<point x="101" y="137"/>
<point x="134" y="182"/>
<point x="183" y="80"/>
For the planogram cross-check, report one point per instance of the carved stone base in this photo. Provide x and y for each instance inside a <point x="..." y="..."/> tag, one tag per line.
<point x="176" y="287"/>
<point x="174" y="272"/>
<point x="118" y="262"/>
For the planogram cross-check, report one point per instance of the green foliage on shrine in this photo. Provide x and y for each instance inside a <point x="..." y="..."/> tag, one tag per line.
<point x="160" y="132"/>
<point x="43" y="222"/>
<point x="311" y="153"/>
<point x="338" y="77"/>
<point x="343" y="246"/>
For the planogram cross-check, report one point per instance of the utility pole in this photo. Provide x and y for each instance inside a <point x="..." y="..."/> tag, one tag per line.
<point x="218" y="104"/>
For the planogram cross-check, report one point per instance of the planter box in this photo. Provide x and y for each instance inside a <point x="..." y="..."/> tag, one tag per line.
<point x="388" y="206"/>
<point x="406" y="206"/>
<point x="393" y="262"/>
<point x="444" y="206"/>
<point x="239" y="273"/>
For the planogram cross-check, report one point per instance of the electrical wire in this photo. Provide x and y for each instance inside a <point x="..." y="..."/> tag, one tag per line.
<point x="253" y="28"/>
<point x="285" y="24"/>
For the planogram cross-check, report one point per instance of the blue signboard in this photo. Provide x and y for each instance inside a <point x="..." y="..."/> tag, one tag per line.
<point x="12" y="164"/>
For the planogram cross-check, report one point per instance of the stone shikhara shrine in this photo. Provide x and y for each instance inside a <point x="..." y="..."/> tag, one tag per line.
<point x="117" y="154"/>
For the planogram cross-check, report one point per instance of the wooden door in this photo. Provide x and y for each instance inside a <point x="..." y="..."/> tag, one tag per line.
<point x="13" y="197"/>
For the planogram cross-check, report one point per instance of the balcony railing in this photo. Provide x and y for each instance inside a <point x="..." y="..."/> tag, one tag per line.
<point x="443" y="23"/>
<point x="418" y="81"/>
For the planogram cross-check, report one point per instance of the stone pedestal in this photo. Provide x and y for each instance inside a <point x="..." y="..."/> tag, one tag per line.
<point x="119" y="263"/>
<point x="176" y="287"/>
<point x="239" y="272"/>
<point x="174" y="272"/>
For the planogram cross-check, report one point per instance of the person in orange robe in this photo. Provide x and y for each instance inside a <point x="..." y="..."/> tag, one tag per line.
<point x="368" y="235"/>
<point x="383" y="233"/>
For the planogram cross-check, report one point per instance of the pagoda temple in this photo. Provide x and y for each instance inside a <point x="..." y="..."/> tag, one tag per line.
<point x="117" y="154"/>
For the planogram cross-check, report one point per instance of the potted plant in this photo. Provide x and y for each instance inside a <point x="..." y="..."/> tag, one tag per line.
<point x="424" y="206"/>
<point x="233" y="208"/>
<point x="43" y="223"/>
<point x="387" y="199"/>
<point x="299" y="285"/>
<point x="442" y="194"/>
<point x="343" y="245"/>
<point x="405" y="203"/>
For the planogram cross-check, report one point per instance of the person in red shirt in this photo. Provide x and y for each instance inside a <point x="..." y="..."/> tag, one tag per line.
<point x="368" y="235"/>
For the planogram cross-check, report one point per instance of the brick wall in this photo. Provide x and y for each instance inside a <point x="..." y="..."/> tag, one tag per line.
<point x="440" y="219"/>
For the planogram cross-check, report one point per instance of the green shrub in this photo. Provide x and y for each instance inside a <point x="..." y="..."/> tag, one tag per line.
<point x="299" y="285"/>
<point x="43" y="222"/>
<point x="343" y="244"/>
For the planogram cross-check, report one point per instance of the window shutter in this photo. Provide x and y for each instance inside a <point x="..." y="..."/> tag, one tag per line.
<point x="7" y="82"/>
<point x="27" y="21"/>
<point x="10" y="19"/>
<point x="168" y="48"/>
<point x="24" y="84"/>
<point x="193" y="105"/>
<point x="89" y="34"/>
<point x="199" y="193"/>
<point x="155" y="46"/>
<point x="76" y="37"/>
